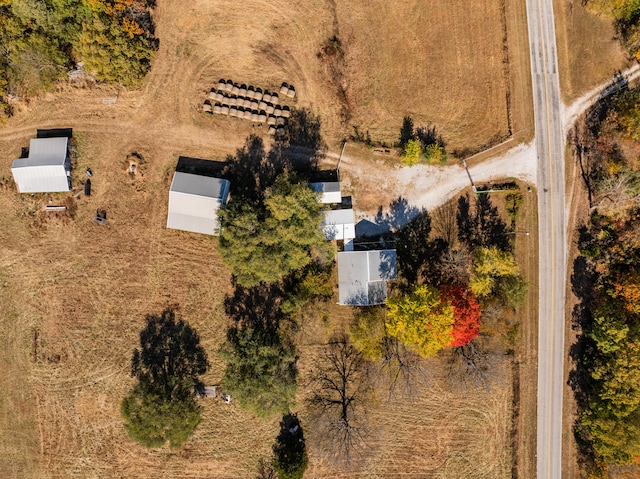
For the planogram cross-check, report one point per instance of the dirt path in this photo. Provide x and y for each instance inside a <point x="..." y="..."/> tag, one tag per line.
<point x="427" y="186"/>
<point x="572" y="112"/>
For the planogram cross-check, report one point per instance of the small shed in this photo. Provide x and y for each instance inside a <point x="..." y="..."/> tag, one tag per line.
<point x="194" y="201"/>
<point x="329" y="191"/>
<point x="363" y="276"/>
<point x="338" y="225"/>
<point x="47" y="169"/>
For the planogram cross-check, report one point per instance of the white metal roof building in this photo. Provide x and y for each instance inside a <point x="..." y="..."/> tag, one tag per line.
<point x="363" y="276"/>
<point x="194" y="201"/>
<point x="338" y="225"/>
<point x="47" y="169"/>
<point x="329" y="191"/>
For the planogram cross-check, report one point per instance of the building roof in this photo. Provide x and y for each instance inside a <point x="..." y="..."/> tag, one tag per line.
<point x="46" y="169"/>
<point x="329" y="191"/>
<point x="200" y="186"/>
<point x="44" y="152"/>
<point x="194" y="201"/>
<point x="363" y="276"/>
<point x="338" y="224"/>
<point x="325" y="187"/>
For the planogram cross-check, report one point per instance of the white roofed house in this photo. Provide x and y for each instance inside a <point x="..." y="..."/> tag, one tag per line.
<point x="329" y="191"/>
<point x="363" y="276"/>
<point x="339" y="225"/>
<point x="47" y="169"/>
<point x="194" y="201"/>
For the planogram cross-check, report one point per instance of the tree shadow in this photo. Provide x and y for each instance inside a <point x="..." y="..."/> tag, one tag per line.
<point x="261" y="361"/>
<point x="170" y="359"/>
<point x="379" y="233"/>
<point x="406" y="132"/>
<point x="258" y="306"/>
<point x="250" y="172"/>
<point x="583" y="281"/>
<point x="289" y="450"/>
<point x="418" y="256"/>
<point x="253" y="169"/>
<point x="428" y="135"/>
<point x="483" y="226"/>
<point x="399" y="214"/>
<point x="300" y="145"/>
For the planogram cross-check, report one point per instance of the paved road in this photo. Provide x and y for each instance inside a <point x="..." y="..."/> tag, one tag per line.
<point x="549" y="142"/>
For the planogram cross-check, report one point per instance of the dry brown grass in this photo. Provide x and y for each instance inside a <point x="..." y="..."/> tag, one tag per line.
<point x="435" y="433"/>
<point x="440" y="61"/>
<point x="421" y="59"/>
<point x="85" y="288"/>
<point x="588" y="52"/>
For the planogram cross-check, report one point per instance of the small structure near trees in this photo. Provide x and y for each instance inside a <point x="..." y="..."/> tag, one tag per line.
<point x="47" y="169"/>
<point x="330" y="192"/>
<point x="339" y="225"/>
<point x="194" y="201"/>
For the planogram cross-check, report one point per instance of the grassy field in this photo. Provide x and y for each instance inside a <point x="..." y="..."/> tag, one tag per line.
<point x="84" y="289"/>
<point x="74" y="293"/>
<point x="588" y="52"/>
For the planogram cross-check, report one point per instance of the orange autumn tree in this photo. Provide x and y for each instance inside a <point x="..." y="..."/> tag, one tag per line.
<point x="466" y="313"/>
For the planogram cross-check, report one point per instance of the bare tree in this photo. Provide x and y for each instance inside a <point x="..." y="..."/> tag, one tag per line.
<point x="403" y="370"/>
<point x="455" y="264"/>
<point x="468" y="365"/>
<point x="445" y="224"/>
<point x="616" y="192"/>
<point x="340" y="386"/>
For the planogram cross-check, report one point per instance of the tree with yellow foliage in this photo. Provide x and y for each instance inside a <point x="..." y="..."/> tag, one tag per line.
<point x="496" y="272"/>
<point x="421" y="320"/>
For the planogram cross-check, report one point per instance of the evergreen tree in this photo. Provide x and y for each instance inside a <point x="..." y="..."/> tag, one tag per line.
<point x="289" y="451"/>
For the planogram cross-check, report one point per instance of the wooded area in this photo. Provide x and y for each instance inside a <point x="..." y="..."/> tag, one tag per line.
<point x="43" y="39"/>
<point x="605" y="279"/>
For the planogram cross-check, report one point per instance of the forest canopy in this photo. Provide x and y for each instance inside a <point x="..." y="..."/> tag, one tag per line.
<point x="43" y="39"/>
<point x="606" y="278"/>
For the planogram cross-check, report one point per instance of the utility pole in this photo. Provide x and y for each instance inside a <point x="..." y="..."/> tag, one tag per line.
<point x="473" y="186"/>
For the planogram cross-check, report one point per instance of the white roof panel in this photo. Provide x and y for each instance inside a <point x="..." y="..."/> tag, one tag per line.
<point x="194" y="201"/>
<point x="46" y="170"/>
<point x="49" y="148"/>
<point x="338" y="224"/>
<point x="201" y="185"/>
<point x="363" y="276"/>
<point x="329" y="191"/>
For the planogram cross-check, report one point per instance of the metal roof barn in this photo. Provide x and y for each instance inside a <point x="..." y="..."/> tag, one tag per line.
<point x="338" y="225"/>
<point x="329" y="191"/>
<point x="46" y="170"/>
<point x="363" y="276"/>
<point x="194" y="201"/>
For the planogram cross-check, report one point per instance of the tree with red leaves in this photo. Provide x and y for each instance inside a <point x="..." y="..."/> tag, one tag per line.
<point x="466" y="312"/>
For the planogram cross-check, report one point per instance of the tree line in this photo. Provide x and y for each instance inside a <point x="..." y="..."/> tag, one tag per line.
<point x="606" y="280"/>
<point x="42" y="39"/>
